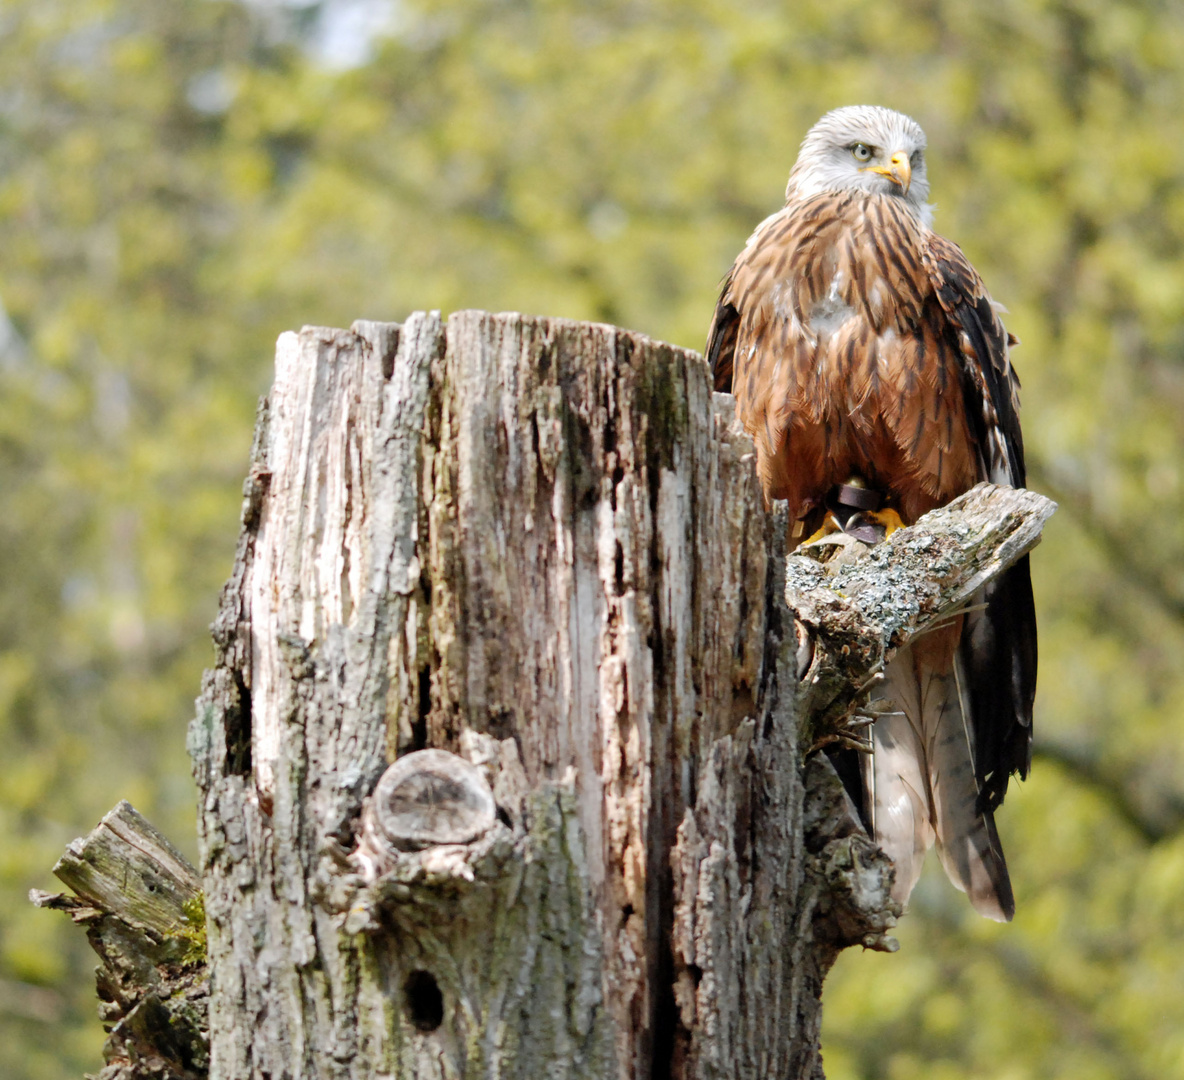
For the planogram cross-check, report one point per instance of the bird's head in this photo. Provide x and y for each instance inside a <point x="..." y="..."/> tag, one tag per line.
<point x="863" y="148"/>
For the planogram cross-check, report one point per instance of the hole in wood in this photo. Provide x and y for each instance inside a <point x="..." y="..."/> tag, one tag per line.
<point x="805" y="649"/>
<point x="238" y="730"/>
<point x="425" y="1003"/>
<point x="419" y="726"/>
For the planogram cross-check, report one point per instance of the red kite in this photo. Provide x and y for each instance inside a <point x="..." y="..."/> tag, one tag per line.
<point x="871" y="368"/>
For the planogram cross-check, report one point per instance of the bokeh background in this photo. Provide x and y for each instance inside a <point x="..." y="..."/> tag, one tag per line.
<point x="181" y="181"/>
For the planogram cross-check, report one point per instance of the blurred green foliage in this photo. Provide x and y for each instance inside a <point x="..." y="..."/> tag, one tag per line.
<point x="179" y="182"/>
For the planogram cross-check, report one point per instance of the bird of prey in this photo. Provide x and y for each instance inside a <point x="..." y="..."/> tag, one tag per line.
<point x="870" y="366"/>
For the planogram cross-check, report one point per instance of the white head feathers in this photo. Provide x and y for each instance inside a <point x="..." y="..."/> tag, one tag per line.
<point x="864" y="148"/>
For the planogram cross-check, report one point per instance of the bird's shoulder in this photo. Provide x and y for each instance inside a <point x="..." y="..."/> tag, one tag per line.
<point x="985" y="345"/>
<point x="772" y="254"/>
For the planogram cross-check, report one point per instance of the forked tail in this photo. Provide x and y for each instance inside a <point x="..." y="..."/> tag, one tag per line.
<point x="921" y="784"/>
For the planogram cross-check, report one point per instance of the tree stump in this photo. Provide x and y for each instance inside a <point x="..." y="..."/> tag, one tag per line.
<point x="140" y="902"/>
<point x="500" y="765"/>
<point x="539" y="546"/>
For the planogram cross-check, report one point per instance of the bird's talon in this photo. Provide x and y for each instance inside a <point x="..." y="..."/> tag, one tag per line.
<point x="888" y="519"/>
<point x="872" y="526"/>
<point x="830" y="525"/>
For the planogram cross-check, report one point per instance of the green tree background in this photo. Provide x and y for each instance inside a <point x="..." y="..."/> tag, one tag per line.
<point x="180" y="182"/>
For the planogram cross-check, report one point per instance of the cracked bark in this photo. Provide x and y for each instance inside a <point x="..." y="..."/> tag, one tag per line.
<point x="537" y="549"/>
<point x="538" y="545"/>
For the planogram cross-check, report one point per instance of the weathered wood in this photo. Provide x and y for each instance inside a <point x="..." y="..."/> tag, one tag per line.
<point x="139" y="900"/>
<point x="539" y="545"/>
<point x="528" y="562"/>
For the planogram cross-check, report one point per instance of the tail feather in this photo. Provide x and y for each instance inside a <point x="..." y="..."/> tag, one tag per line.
<point x="898" y="801"/>
<point x="922" y="786"/>
<point x="966" y="838"/>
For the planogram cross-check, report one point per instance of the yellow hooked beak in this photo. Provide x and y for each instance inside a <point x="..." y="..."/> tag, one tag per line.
<point x="898" y="170"/>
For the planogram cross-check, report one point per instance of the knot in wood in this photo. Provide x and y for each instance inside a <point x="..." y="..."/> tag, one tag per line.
<point x="428" y="798"/>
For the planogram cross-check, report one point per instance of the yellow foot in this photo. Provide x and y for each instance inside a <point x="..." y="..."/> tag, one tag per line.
<point x="872" y="526"/>
<point x="830" y="525"/>
<point x="888" y="518"/>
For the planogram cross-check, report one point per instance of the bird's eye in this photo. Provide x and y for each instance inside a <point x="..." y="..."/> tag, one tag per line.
<point x="862" y="151"/>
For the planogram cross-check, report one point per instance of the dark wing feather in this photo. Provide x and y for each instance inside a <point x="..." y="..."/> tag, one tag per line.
<point x="743" y="300"/>
<point x="747" y="344"/>
<point x="721" y="340"/>
<point x="999" y="646"/>
<point x="987" y="372"/>
<point x="999" y="653"/>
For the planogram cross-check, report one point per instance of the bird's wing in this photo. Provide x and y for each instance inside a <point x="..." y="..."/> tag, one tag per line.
<point x="721" y="339"/>
<point x="998" y="650"/>
<point x="989" y="381"/>
<point x="753" y="311"/>
<point x="741" y="292"/>
<point x="752" y="307"/>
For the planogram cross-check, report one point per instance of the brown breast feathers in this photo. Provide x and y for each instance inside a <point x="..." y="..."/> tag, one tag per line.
<point x="842" y="358"/>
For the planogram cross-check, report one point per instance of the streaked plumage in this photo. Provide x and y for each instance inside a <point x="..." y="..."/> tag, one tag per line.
<point x="859" y="342"/>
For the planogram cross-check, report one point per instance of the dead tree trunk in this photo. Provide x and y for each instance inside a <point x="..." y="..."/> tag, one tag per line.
<point x="535" y="552"/>
<point x="536" y="545"/>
